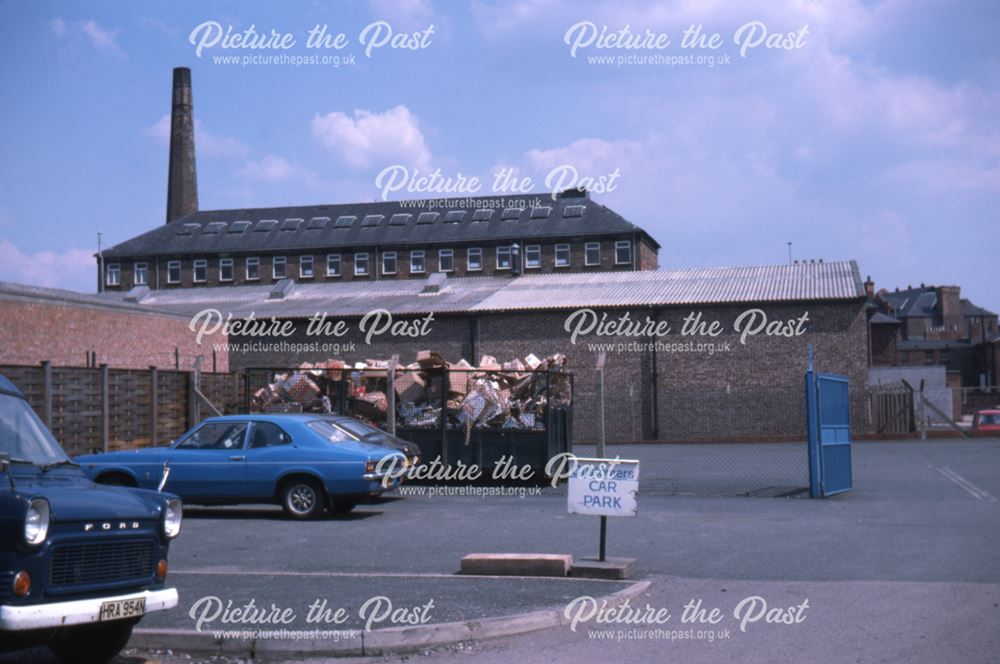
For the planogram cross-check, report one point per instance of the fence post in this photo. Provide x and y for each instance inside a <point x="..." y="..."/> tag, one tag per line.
<point x="153" y="404"/>
<point x="105" y="406"/>
<point x="390" y="393"/>
<point x="194" y="387"/>
<point x="812" y="433"/>
<point x="601" y="359"/>
<point x="47" y="393"/>
<point x="444" y="415"/>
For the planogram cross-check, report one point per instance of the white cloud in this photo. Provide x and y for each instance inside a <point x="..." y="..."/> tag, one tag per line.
<point x="68" y="269"/>
<point x="392" y="137"/>
<point x="205" y="142"/>
<point x="89" y="31"/>
<point x="58" y="26"/>
<point x="103" y="40"/>
<point x="157" y="25"/>
<point x="268" y="169"/>
<point x="406" y="14"/>
<point x="587" y="155"/>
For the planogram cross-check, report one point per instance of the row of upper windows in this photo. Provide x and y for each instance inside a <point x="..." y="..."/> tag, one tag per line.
<point x="362" y="264"/>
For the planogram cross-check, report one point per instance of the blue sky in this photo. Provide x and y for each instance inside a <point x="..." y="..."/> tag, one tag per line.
<point x="875" y="139"/>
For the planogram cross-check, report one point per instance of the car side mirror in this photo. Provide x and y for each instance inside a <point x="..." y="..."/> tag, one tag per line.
<point x="163" y="479"/>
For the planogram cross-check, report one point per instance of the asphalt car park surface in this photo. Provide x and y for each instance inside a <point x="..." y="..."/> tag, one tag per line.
<point x="906" y="564"/>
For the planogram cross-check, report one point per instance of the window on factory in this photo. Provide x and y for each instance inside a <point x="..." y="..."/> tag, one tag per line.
<point x="928" y="357"/>
<point x="113" y="275"/>
<point x="503" y="258"/>
<point x="306" y="270"/>
<point x="446" y="260"/>
<point x="388" y="262"/>
<point x="623" y="252"/>
<point x="253" y="268"/>
<point x="200" y="271"/>
<point x="360" y="264"/>
<point x="141" y="274"/>
<point x="475" y="258"/>
<point x="279" y="266"/>
<point x="333" y="265"/>
<point x="174" y="272"/>
<point x="943" y="356"/>
<point x="533" y="256"/>
<point x="417" y="262"/>
<point x="225" y="269"/>
<point x="592" y="253"/>
<point x="562" y="255"/>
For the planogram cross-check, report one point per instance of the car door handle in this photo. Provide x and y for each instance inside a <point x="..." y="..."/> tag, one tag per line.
<point x="237" y="458"/>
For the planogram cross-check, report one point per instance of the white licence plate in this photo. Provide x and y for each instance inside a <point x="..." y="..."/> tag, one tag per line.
<point x="123" y="608"/>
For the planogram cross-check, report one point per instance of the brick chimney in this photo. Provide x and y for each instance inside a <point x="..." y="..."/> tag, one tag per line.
<point x="182" y="185"/>
<point x="952" y="311"/>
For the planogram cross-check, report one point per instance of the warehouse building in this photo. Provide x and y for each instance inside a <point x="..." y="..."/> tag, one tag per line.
<point x="660" y="385"/>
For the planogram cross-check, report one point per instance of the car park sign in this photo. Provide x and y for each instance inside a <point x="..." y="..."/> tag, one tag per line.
<point x="603" y="487"/>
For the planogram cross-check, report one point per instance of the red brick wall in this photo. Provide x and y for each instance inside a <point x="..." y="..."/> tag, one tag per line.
<point x="63" y="332"/>
<point x="749" y="392"/>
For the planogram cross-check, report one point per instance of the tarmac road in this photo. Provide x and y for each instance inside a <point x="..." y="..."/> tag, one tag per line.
<point x="904" y="568"/>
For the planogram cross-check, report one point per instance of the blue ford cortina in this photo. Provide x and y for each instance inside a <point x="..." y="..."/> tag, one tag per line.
<point x="80" y="563"/>
<point x="303" y="462"/>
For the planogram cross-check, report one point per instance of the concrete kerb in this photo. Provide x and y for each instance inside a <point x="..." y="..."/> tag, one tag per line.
<point x="391" y="640"/>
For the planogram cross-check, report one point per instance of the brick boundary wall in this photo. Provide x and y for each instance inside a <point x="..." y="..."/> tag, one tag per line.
<point x="750" y="392"/>
<point x="64" y="332"/>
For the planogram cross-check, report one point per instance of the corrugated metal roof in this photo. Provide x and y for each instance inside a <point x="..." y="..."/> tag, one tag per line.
<point x="767" y="283"/>
<point x="724" y="285"/>
<point x="30" y="293"/>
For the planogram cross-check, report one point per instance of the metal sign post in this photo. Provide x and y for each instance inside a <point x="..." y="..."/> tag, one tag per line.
<point x="601" y="359"/>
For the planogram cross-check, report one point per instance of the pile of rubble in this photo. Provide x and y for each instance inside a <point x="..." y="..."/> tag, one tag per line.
<point x="512" y="395"/>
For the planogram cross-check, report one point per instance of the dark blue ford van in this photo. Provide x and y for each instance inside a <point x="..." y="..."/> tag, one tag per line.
<point x="80" y="563"/>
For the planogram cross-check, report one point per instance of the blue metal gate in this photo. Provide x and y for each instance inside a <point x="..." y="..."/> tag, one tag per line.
<point x="828" y="418"/>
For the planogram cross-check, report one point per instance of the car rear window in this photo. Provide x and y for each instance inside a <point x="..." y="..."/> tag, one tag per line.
<point x="330" y="432"/>
<point x="357" y="428"/>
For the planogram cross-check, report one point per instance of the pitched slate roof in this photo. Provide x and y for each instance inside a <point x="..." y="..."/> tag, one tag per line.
<point x="724" y="285"/>
<point x="922" y="302"/>
<point x="913" y="301"/>
<point x="390" y="223"/>
<point x="880" y="318"/>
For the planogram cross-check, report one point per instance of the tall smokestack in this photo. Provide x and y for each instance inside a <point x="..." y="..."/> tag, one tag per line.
<point x="182" y="186"/>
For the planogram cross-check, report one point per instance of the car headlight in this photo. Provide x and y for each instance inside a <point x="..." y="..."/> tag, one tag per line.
<point x="172" y="516"/>
<point x="36" y="521"/>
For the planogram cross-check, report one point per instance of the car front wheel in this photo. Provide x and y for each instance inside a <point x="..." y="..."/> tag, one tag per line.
<point x="92" y="644"/>
<point x="303" y="498"/>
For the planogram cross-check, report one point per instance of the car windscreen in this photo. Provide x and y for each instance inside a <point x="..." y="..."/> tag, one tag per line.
<point x="330" y="432"/>
<point x="215" y="436"/>
<point x="23" y="436"/>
